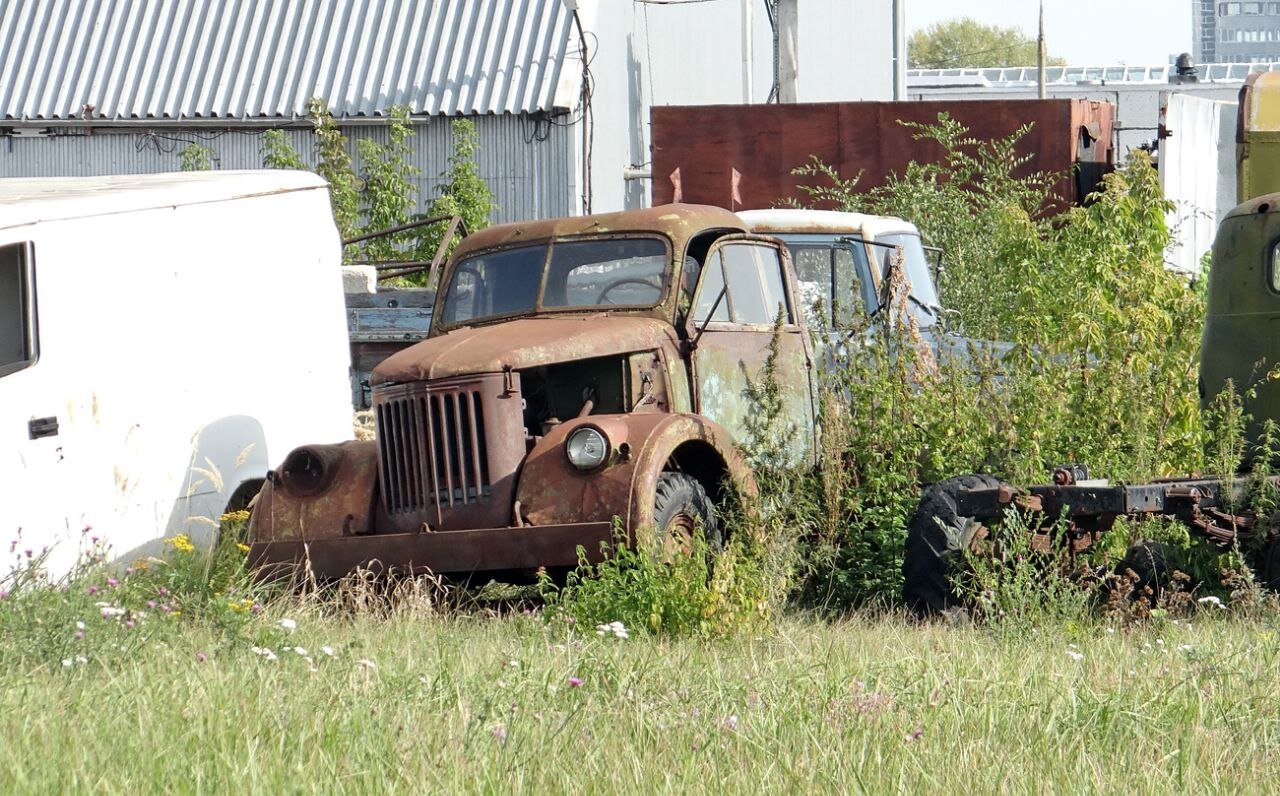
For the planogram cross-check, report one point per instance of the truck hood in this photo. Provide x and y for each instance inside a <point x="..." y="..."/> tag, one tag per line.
<point x="519" y="344"/>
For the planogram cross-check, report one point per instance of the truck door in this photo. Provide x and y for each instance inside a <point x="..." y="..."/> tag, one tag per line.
<point x="743" y="287"/>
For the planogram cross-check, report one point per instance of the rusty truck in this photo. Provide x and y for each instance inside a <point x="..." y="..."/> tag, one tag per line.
<point x="579" y="372"/>
<point x="1238" y="348"/>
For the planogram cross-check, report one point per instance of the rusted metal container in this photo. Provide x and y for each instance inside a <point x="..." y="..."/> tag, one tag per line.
<point x="741" y="156"/>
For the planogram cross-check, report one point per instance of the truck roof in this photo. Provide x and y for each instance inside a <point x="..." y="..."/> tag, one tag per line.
<point x="678" y="221"/>
<point x="784" y="220"/>
<point x="33" y="200"/>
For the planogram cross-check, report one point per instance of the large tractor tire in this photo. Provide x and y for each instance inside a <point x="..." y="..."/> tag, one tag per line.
<point x="936" y="539"/>
<point x="1147" y="563"/>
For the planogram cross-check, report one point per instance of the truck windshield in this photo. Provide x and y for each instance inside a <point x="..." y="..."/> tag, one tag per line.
<point x="925" y="297"/>
<point x="557" y="275"/>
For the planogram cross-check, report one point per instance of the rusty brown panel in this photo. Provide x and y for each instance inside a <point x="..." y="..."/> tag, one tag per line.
<point x="345" y="507"/>
<point x="521" y="344"/>
<point x="865" y="138"/>
<point x="446" y="552"/>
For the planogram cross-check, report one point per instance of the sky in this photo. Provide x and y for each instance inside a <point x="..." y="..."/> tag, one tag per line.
<point x="1084" y="32"/>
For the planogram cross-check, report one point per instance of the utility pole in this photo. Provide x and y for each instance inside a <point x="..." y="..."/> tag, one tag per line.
<point x="899" y="50"/>
<point x="1040" y="53"/>
<point x="788" y="51"/>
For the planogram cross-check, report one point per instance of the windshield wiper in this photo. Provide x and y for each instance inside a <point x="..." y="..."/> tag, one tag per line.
<point x="693" y="345"/>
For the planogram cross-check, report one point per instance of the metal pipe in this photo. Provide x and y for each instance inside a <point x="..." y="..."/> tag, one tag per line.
<point x="899" y="50"/>
<point x="746" y="52"/>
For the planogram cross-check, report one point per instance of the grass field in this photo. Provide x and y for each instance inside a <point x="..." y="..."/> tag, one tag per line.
<point x="419" y="701"/>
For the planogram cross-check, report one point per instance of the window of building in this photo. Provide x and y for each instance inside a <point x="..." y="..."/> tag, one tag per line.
<point x="18" y="340"/>
<point x="1228" y="9"/>
<point x="1251" y="8"/>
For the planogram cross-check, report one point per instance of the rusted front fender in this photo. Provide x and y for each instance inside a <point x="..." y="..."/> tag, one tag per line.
<point x="553" y="492"/>
<point x="343" y="508"/>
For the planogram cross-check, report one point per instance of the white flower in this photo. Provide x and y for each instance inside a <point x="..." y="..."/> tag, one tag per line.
<point x="111" y="612"/>
<point x="616" y="629"/>
<point x="66" y="663"/>
<point x="327" y="650"/>
<point x="81" y="659"/>
<point x="1186" y="647"/>
<point x="1075" y="656"/>
<point x="79" y="625"/>
<point x="1211" y="600"/>
<point x="288" y="624"/>
<point x="513" y="664"/>
<point x="300" y="651"/>
<point x="366" y="664"/>
<point x="266" y="654"/>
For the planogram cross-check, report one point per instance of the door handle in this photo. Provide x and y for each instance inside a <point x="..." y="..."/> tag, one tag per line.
<point x="42" y="427"/>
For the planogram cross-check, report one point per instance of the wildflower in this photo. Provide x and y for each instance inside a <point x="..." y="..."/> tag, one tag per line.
<point x="327" y="650"/>
<point x="288" y="624"/>
<point x="79" y="625"/>
<point x="1211" y="600"/>
<point x="181" y="543"/>
<point x="300" y="651"/>
<point x="4" y="594"/>
<point x="264" y="653"/>
<point x="575" y="682"/>
<point x="500" y="733"/>
<point x="1075" y="656"/>
<point x="129" y="624"/>
<point x="242" y="547"/>
<point x="366" y="664"/>
<point x="916" y="734"/>
<point x="112" y="611"/>
<point x="163" y="591"/>
<point x="92" y="590"/>
<point x="112" y="582"/>
<point x="151" y="604"/>
<point x="66" y="663"/>
<point x="616" y="629"/>
<point x="201" y="657"/>
<point x="513" y="664"/>
<point x="729" y="723"/>
<point x="79" y="635"/>
<point x="1186" y="647"/>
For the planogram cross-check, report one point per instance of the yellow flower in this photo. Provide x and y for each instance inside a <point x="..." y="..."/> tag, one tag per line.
<point x="235" y="516"/>
<point x="242" y="547"/>
<point x="181" y="543"/>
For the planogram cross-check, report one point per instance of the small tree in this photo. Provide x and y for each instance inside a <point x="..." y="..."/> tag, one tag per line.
<point x="333" y="163"/>
<point x="464" y="192"/>
<point x="278" y="153"/>
<point x="195" y="157"/>
<point x="967" y="42"/>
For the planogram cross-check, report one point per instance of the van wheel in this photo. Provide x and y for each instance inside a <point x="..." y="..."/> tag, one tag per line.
<point x="680" y="504"/>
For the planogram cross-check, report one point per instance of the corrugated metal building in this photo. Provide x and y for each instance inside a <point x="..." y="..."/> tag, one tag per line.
<point x="118" y="86"/>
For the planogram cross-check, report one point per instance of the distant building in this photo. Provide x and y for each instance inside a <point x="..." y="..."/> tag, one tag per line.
<point x="1235" y="32"/>
<point x="559" y="90"/>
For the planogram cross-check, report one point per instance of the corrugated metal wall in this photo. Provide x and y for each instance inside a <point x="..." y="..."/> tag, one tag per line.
<point x="529" y="165"/>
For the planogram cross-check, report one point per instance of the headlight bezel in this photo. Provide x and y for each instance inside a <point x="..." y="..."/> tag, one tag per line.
<point x="577" y="434"/>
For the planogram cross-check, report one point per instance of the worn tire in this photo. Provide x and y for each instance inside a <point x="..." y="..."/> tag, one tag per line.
<point x="934" y="543"/>
<point x="1149" y="562"/>
<point x="679" y="503"/>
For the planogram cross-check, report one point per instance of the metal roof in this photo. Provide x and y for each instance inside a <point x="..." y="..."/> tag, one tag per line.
<point x="262" y="59"/>
<point x="1070" y="75"/>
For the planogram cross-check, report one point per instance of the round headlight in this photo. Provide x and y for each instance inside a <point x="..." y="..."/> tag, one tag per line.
<point x="306" y="471"/>
<point x="587" y="448"/>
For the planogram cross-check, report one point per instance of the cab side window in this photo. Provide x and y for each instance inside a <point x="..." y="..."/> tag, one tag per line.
<point x="18" y="334"/>
<point x="1273" y="275"/>
<point x="755" y="283"/>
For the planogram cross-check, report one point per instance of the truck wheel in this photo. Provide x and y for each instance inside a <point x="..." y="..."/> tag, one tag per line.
<point x="1272" y="564"/>
<point x="680" y="504"/>
<point x="936" y="537"/>
<point x="1149" y="563"/>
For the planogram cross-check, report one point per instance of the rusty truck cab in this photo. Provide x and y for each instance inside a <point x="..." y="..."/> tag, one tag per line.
<point x="579" y="372"/>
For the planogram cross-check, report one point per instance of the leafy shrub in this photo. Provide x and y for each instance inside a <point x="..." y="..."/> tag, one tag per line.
<point x="1099" y="367"/>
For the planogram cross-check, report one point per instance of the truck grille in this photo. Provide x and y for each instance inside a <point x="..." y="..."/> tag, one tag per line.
<point x="431" y="450"/>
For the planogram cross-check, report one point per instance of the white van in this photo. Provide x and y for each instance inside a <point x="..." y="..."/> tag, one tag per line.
<point x="163" y="339"/>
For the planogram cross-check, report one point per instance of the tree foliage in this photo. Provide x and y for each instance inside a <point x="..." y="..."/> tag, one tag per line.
<point x="967" y="42"/>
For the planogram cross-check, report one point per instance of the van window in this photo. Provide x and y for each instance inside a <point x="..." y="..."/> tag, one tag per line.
<point x="833" y="274"/>
<point x="17" y="309"/>
<point x="1274" y="272"/>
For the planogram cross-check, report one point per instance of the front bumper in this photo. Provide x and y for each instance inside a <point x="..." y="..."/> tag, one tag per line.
<point x="439" y="552"/>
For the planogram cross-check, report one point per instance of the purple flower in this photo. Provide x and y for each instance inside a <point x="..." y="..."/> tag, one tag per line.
<point x="112" y="582"/>
<point x="201" y="657"/>
<point x="28" y="552"/>
<point x="92" y="590"/>
<point x="79" y="635"/>
<point x="500" y="733"/>
<point x="575" y="682"/>
<point x="128" y="571"/>
<point x="151" y="604"/>
<point x="164" y="592"/>
<point x="4" y="594"/>
<point x="128" y="623"/>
